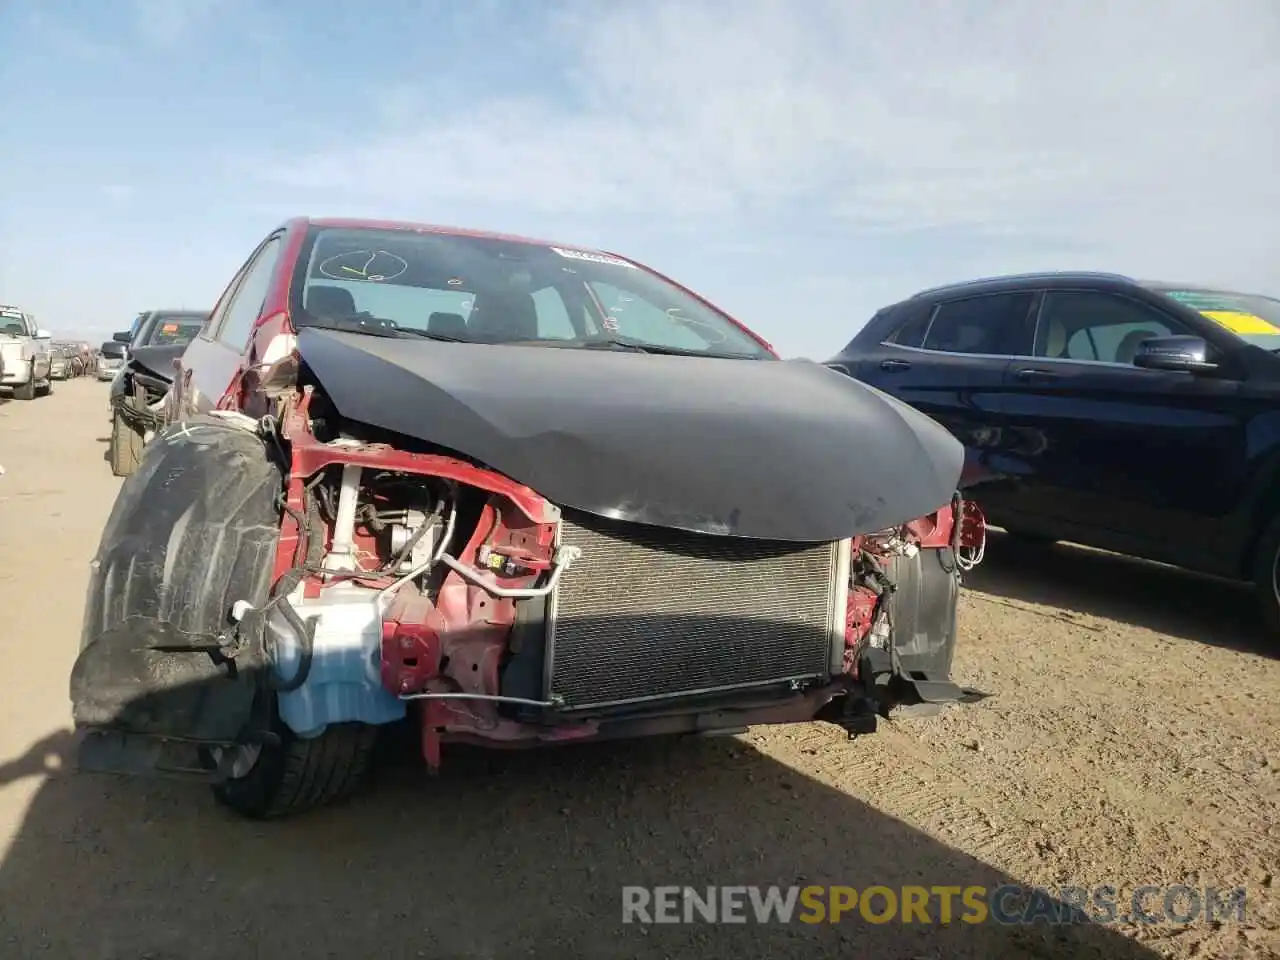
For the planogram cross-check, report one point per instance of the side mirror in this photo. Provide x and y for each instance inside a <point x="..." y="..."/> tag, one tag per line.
<point x="1179" y="354"/>
<point x="43" y="335"/>
<point x="122" y="336"/>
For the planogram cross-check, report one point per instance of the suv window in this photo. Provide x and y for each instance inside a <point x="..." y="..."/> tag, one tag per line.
<point x="246" y="301"/>
<point x="1093" y="325"/>
<point x="992" y="324"/>
<point x="911" y="332"/>
<point x="175" y="329"/>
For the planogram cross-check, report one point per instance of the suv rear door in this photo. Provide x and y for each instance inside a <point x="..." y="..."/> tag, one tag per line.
<point x="948" y="359"/>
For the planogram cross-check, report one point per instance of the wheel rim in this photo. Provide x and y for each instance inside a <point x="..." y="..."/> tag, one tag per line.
<point x="243" y="759"/>
<point x="1275" y="576"/>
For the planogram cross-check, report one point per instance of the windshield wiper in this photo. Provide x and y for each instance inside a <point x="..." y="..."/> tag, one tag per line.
<point x="601" y="343"/>
<point x="428" y="335"/>
<point x="640" y="346"/>
<point x="380" y="330"/>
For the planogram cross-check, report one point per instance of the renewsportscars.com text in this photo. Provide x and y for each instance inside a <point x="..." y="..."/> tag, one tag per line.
<point x="1009" y="904"/>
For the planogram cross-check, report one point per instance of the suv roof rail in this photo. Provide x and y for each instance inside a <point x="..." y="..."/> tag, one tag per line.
<point x="1038" y="275"/>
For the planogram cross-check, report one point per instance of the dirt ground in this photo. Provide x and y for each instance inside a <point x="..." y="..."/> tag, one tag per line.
<point x="1133" y="737"/>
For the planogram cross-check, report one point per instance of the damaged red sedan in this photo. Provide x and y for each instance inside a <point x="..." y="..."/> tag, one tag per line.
<point x="514" y="494"/>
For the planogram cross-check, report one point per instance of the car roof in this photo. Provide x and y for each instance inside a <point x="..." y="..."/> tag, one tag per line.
<point x="411" y="226"/>
<point x="1016" y="280"/>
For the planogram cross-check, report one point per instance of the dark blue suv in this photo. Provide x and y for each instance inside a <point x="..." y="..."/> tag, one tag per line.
<point x="1132" y="416"/>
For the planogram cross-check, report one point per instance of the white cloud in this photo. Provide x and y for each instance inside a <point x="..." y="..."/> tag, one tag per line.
<point x="1144" y="136"/>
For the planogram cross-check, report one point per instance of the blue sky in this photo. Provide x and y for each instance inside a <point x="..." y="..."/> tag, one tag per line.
<point x="801" y="164"/>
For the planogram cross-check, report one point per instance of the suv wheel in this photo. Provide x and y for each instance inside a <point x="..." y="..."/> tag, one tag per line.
<point x="1266" y="576"/>
<point x="25" y="391"/>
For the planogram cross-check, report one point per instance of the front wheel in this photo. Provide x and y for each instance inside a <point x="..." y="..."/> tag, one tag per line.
<point x="25" y="391"/>
<point x="1266" y="576"/>
<point x="296" y="775"/>
<point x="126" y="447"/>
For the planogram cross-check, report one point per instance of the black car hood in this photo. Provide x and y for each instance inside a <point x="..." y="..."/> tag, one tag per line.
<point x="157" y="361"/>
<point x="778" y="450"/>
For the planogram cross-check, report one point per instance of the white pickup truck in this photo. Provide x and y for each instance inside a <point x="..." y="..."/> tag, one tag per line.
<point x="25" y="356"/>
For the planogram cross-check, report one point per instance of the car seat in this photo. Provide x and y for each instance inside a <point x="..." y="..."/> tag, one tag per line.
<point x="447" y="325"/>
<point x="1055" y="339"/>
<point x="504" y="315"/>
<point x="326" y="301"/>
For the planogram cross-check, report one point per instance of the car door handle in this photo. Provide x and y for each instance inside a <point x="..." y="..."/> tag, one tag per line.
<point x="1027" y="374"/>
<point x="894" y="366"/>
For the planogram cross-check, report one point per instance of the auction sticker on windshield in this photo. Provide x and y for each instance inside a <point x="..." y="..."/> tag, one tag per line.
<point x="1225" y="310"/>
<point x="1239" y="322"/>
<point x="593" y="257"/>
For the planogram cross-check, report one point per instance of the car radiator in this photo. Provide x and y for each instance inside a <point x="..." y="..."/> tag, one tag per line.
<point x="648" y="614"/>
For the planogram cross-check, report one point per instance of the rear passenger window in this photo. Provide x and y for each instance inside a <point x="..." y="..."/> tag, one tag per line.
<point x="911" y="332"/>
<point x="996" y="324"/>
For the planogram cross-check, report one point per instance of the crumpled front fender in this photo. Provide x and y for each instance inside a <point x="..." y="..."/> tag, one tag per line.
<point x="193" y="530"/>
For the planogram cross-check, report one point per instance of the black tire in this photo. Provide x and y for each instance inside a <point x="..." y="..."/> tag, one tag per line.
<point x="300" y="775"/>
<point x="25" y="391"/>
<point x="1266" y="576"/>
<point x="126" y="447"/>
<point x="47" y="389"/>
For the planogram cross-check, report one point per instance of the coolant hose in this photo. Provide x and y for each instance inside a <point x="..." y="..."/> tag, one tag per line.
<point x="305" y="630"/>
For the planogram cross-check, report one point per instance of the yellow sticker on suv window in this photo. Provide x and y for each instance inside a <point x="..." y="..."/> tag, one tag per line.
<point x="1237" y="321"/>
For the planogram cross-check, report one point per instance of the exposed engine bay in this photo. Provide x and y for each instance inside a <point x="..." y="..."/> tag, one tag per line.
<point x="411" y="580"/>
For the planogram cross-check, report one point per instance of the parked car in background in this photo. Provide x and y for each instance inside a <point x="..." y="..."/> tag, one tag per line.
<point x="26" y="354"/>
<point x="58" y="366"/>
<point x="1138" y="417"/>
<point x="65" y="361"/>
<point x="492" y="481"/>
<point x="111" y="359"/>
<point x="138" y="390"/>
